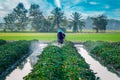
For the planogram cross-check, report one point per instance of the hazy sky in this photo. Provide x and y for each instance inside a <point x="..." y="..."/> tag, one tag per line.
<point x="111" y="8"/>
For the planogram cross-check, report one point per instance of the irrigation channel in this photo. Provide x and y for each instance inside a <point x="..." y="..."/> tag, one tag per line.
<point x="26" y="66"/>
<point x="101" y="71"/>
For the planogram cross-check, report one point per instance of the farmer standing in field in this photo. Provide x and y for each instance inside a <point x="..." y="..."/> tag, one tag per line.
<point x="60" y="36"/>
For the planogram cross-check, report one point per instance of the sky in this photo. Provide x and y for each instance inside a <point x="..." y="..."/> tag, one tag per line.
<point x="111" y="8"/>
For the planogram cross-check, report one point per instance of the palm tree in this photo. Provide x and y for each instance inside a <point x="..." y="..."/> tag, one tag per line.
<point x="77" y="22"/>
<point x="58" y="16"/>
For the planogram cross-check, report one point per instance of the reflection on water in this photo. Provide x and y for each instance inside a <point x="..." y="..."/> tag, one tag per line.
<point x="102" y="71"/>
<point x="21" y="66"/>
<point x="26" y="66"/>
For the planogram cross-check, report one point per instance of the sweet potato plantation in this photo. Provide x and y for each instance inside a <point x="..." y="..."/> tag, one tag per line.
<point x="106" y="53"/>
<point x="61" y="64"/>
<point x="11" y="52"/>
<point x="2" y="42"/>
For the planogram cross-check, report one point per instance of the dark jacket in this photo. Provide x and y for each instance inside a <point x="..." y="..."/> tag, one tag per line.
<point x="60" y="36"/>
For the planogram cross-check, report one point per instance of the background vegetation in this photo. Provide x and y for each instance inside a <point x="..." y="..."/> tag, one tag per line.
<point x="21" y="19"/>
<point x="76" y="37"/>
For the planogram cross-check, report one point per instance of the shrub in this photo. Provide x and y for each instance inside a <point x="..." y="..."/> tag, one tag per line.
<point x="2" y="42"/>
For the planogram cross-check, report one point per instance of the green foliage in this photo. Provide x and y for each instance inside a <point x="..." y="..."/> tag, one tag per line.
<point x="48" y="66"/>
<point x="75" y="37"/>
<point x="17" y="19"/>
<point x="77" y="22"/>
<point x="2" y="42"/>
<point x="100" y="22"/>
<point x="74" y="66"/>
<point x="10" y="21"/>
<point x="106" y="53"/>
<point x="92" y="44"/>
<point x="37" y="18"/>
<point x="58" y="16"/>
<point x="21" y="16"/>
<point x="61" y="64"/>
<point x="11" y="52"/>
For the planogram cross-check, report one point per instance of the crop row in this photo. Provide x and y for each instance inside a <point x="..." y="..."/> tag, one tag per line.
<point x="11" y="52"/>
<point x="107" y="53"/>
<point x="61" y="64"/>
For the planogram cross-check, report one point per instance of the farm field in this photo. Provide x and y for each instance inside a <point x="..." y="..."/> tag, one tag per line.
<point x="76" y="37"/>
<point x="10" y="53"/>
<point x="59" y="40"/>
<point x="58" y="60"/>
<point x="60" y="64"/>
<point x="106" y="53"/>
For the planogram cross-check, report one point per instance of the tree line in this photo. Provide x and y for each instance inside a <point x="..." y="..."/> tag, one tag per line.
<point x="20" y="17"/>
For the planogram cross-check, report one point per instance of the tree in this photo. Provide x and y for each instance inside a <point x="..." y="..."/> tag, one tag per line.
<point x="10" y="21"/>
<point x="64" y="23"/>
<point x="48" y="24"/>
<point x="100" y="23"/>
<point x="21" y="18"/>
<point x="58" y="16"/>
<point x="77" y="22"/>
<point x="37" y="17"/>
<point x="81" y="25"/>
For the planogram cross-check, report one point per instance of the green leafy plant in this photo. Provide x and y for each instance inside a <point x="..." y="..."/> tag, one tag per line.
<point x="2" y="42"/>
<point x="107" y="53"/>
<point x="11" y="52"/>
<point x="61" y="64"/>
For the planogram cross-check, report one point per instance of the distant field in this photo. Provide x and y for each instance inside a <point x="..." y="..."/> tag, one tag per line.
<point x="76" y="37"/>
<point x="93" y="31"/>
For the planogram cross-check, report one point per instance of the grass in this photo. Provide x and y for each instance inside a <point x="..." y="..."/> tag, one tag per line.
<point x="76" y="37"/>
